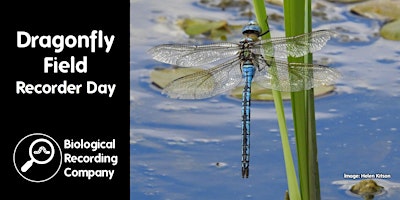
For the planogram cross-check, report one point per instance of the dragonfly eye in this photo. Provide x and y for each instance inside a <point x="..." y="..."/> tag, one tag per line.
<point x="252" y="27"/>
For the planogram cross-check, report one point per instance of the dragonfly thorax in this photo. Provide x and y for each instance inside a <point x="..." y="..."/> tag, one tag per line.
<point x="246" y="55"/>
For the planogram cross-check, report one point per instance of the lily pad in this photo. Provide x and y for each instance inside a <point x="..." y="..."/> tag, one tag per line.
<point x="223" y="4"/>
<point x="391" y="30"/>
<point x="161" y="77"/>
<point x="209" y="28"/>
<point x="386" y="10"/>
<point x="259" y="93"/>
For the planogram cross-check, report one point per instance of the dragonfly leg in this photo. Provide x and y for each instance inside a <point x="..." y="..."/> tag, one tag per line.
<point x="267" y="31"/>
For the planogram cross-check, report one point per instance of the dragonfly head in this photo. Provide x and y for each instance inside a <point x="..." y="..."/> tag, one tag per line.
<point x="252" y="28"/>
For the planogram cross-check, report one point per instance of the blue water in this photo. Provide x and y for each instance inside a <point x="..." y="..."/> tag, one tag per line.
<point x="191" y="149"/>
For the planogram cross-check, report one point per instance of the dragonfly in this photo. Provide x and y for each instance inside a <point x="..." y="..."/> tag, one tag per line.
<point x="250" y="61"/>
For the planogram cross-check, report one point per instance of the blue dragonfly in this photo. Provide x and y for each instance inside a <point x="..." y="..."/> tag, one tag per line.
<point x="226" y="65"/>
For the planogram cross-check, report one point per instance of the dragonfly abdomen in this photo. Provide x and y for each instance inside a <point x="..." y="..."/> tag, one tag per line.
<point x="248" y="73"/>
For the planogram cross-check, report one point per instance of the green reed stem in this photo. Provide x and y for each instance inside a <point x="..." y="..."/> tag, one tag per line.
<point x="298" y="21"/>
<point x="293" y="187"/>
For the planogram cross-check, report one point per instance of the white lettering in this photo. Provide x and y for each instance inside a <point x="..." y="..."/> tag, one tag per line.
<point x="109" y="42"/>
<point x="94" y="145"/>
<point x="65" y="66"/>
<point x="63" y="88"/>
<point x="351" y="176"/>
<point x="92" y="87"/>
<point x="68" y="172"/>
<point x="20" y="34"/>
<point x="59" y="42"/>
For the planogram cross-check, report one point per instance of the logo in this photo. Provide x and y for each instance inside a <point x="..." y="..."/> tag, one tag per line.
<point x="37" y="157"/>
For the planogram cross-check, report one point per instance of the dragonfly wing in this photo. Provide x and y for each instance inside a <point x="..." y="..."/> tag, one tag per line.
<point x="206" y="83"/>
<point x="296" y="46"/>
<point x="193" y="55"/>
<point x="294" y="77"/>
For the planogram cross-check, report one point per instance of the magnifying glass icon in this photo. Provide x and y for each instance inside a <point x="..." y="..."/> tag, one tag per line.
<point x="29" y="163"/>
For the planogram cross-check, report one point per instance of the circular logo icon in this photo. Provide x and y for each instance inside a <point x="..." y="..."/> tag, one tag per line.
<point x="37" y="157"/>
